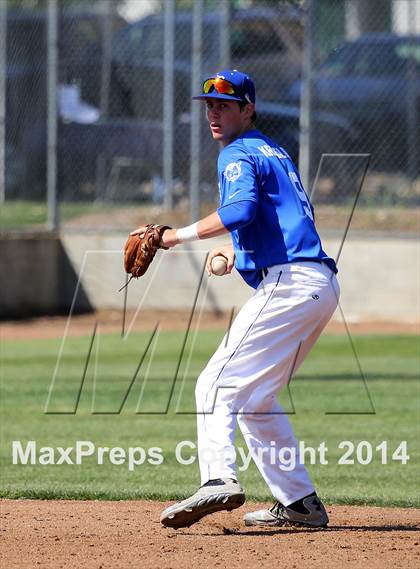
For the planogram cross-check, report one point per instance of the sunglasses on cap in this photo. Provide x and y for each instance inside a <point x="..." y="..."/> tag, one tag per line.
<point x="222" y="86"/>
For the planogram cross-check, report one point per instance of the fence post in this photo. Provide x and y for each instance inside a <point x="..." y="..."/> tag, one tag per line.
<point x="306" y="103"/>
<point x="412" y="105"/>
<point x="168" y="102"/>
<point x="195" y="111"/>
<point x="225" y="34"/>
<point x="52" y="60"/>
<point x="3" y="83"/>
<point x="106" y="56"/>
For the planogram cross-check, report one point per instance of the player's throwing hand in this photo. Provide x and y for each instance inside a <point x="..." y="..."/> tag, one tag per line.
<point x="227" y="252"/>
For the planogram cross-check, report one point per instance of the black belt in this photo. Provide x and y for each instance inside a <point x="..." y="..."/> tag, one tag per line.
<point x="265" y="269"/>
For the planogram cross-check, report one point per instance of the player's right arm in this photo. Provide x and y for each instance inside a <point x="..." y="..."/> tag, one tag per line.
<point x="225" y="220"/>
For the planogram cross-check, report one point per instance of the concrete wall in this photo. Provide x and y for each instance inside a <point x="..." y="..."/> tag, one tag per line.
<point x="36" y="277"/>
<point x="379" y="277"/>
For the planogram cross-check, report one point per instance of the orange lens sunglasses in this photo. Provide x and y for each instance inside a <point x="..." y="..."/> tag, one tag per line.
<point x="222" y="86"/>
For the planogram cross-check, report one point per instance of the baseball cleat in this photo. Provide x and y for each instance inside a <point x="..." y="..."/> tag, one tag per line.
<point x="309" y="511"/>
<point x="214" y="496"/>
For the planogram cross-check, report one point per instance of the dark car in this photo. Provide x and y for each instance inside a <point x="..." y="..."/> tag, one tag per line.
<point x="267" y="43"/>
<point x="264" y="42"/>
<point x="372" y="82"/>
<point x="132" y="152"/>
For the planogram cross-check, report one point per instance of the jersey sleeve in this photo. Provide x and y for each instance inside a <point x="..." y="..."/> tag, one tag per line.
<point x="237" y="178"/>
<point x="237" y="214"/>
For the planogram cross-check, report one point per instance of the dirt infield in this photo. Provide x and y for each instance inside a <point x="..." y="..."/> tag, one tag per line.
<point x="127" y="534"/>
<point x="104" y="535"/>
<point x="49" y="327"/>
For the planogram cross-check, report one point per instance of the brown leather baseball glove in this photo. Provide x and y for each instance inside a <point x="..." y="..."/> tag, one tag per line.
<point x="139" y="251"/>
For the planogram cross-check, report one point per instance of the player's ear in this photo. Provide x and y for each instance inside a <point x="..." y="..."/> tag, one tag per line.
<point x="248" y="110"/>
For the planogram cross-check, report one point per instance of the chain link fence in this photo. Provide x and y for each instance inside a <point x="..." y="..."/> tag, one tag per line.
<point x="335" y="77"/>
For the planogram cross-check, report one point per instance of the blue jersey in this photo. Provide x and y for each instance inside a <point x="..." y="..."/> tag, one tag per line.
<point x="256" y="171"/>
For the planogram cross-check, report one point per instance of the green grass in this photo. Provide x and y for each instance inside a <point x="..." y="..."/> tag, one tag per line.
<point x="329" y="382"/>
<point x="19" y="214"/>
<point x="15" y="214"/>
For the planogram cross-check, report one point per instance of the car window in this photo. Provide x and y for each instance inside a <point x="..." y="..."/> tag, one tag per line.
<point x="382" y="61"/>
<point x="385" y="60"/>
<point x="340" y="62"/>
<point x="183" y="41"/>
<point x="371" y="60"/>
<point x="375" y="61"/>
<point x="256" y="37"/>
<point x="409" y="51"/>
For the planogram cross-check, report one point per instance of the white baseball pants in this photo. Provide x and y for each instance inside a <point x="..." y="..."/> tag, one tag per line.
<point x="269" y="339"/>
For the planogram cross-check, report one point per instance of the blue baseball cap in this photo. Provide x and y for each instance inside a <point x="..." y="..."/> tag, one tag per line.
<point x="229" y="84"/>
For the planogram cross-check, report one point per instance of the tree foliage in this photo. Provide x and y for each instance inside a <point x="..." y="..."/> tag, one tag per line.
<point x="41" y="4"/>
<point x="214" y="4"/>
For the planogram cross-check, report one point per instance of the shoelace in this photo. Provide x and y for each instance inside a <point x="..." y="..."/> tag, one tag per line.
<point x="300" y="507"/>
<point x="277" y="509"/>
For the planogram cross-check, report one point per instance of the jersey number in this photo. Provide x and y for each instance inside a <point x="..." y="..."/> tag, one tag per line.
<point x="302" y="195"/>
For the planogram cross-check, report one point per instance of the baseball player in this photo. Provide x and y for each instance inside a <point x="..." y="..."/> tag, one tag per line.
<point x="277" y="250"/>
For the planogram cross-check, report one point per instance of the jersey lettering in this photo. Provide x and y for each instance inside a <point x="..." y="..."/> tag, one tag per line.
<point x="302" y="194"/>
<point x="270" y="151"/>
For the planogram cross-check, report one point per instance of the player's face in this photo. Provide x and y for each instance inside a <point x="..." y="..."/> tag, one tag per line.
<point x="227" y="120"/>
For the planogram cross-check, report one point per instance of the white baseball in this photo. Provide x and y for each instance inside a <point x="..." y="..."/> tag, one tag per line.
<point x="219" y="265"/>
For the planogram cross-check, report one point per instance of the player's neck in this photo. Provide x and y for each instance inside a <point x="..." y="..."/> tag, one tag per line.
<point x="228" y="141"/>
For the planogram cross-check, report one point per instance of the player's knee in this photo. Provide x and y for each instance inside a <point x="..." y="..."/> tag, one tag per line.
<point x="201" y="390"/>
<point x="256" y="409"/>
